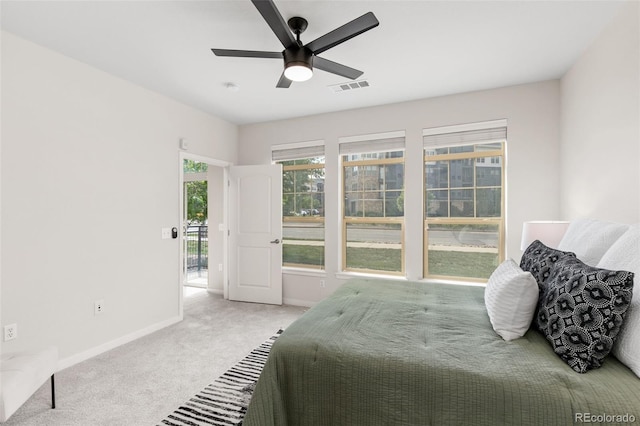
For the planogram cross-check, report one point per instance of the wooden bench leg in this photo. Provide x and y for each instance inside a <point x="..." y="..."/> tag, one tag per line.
<point x="53" y="392"/>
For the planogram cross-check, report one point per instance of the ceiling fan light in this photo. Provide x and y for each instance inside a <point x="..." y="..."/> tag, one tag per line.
<point x="298" y="72"/>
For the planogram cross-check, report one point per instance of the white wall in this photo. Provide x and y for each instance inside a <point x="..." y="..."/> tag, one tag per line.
<point x="600" y="166"/>
<point x="90" y="175"/>
<point x="532" y="111"/>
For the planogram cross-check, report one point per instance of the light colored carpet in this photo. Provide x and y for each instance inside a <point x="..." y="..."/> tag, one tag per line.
<point x="224" y="402"/>
<point x="142" y="382"/>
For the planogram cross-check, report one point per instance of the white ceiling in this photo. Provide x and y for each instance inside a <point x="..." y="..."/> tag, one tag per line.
<point x="420" y="49"/>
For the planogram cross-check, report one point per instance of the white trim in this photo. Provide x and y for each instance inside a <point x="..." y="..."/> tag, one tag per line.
<point x="295" y="145"/>
<point x="304" y="272"/>
<point x="298" y="302"/>
<point x="345" y="275"/>
<point x="372" y="137"/>
<point x="481" y="125"/>
<point x="452" y="282"/>
<point x="202" y="159"/>
<point x="83" y="356"/>
<point x="181" y="278"/>
<point x="225" y="236"/>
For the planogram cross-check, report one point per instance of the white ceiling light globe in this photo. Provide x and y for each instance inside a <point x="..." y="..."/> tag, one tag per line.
<point x="298" y="73"/>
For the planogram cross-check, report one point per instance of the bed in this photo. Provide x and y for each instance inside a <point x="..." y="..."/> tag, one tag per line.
<point x="389" y="352"/>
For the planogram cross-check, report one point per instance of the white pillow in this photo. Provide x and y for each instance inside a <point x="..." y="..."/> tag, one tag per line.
<point x="624" y="255"/>
<point x="589" y="239"/>
<point x="511" y="297"/>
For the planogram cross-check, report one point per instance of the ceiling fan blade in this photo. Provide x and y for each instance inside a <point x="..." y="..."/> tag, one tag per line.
<point x="247" y="53"/>
<point x="284" y="82"/>
<point x="343" y="33"/>
<point x="336" y="68"/>
<point x="270" y="13"/>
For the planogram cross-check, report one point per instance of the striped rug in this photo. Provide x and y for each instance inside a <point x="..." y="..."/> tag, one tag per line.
<point x="225" y="401"/>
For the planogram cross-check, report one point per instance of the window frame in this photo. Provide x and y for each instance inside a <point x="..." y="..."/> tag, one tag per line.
<point x="347" y="220"/>
<point x="305" y="219"/>
<point x="497" y="221"/>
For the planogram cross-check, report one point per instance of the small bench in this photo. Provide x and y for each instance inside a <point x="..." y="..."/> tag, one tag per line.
<point x="21" y="374"/>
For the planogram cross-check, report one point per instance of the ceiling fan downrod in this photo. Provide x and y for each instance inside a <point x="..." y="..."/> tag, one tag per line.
<point x="298" y="25"/>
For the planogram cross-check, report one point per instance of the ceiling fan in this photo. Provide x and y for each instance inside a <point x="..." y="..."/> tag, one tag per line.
<point x="300" y="59"/>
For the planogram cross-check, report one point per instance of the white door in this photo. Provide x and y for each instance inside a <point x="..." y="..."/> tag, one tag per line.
<point x="255" y="240"/>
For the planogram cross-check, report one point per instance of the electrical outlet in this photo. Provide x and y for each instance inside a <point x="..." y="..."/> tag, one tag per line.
<point x="10" y="332"/>
<point x="98" y="307"/>
<point x="322" y="285"/>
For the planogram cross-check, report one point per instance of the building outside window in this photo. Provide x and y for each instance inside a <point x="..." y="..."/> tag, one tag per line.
<point x="373" y="203"/>
<point x="303" y="199"/>
<point x="464" y="201"/>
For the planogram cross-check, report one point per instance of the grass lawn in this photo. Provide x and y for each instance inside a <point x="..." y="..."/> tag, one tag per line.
<point x="359" y="258"/>
<point x="303" y="255"/>
<point x="447" y="263"/>
<point x="462" y="264"/>
<point x="374" y="258"/>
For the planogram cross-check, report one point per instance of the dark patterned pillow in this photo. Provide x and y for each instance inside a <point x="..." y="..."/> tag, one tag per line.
<point x="582" y="310"/>
<point x="539" y="259"/>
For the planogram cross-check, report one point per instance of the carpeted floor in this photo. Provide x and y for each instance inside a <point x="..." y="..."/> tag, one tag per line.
<point x="225" y="401"/>
<point x="142" y="382"/>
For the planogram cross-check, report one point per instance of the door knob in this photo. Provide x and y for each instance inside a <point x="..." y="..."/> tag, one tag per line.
<point x="276" y="241"/>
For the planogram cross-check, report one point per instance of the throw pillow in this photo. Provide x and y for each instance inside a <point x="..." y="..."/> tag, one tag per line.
<point x="511" y="297"/>
<point x="624" y="254"/>
<point x="582" y="310"/>
<point x="539" y="259"/>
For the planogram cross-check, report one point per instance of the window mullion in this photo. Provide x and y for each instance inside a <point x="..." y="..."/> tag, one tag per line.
<point x="475" y="190"/>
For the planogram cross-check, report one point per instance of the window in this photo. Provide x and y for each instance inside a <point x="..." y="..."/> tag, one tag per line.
<point x="373" y="203"/>
<point x="464" y="200"/>
<point x="302" y="204"/>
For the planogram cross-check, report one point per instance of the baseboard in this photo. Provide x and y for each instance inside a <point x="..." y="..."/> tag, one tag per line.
<point x="83" y="356"/>
<point x="215" y="290"/>
<point x="297" y="302"/>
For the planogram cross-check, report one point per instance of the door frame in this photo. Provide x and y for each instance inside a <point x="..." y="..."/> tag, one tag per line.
<point x="183" y="155"/>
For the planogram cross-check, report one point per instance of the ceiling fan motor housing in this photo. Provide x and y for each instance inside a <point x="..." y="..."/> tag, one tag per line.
<point x="296" y="55"/>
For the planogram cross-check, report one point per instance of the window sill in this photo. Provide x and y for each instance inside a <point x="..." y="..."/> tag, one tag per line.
<point x="304" y="272"/>
<point x="346" y="275"/>
<point x="452" y="282"/>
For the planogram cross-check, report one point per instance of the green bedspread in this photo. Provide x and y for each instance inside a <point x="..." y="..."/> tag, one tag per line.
<point x="381" y="352"/>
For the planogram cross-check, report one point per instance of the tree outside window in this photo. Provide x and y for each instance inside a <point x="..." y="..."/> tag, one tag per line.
<point x="196" y="192"/>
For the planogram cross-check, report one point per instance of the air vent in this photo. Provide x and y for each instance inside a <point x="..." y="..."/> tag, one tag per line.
<point x="352" y="85"/>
